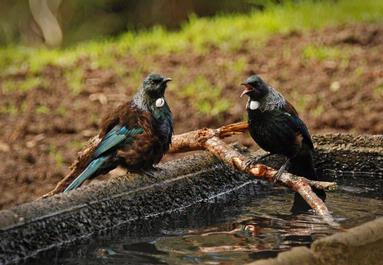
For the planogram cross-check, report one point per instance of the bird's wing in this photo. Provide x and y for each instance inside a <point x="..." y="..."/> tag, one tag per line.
<point x="114" y="137"/>
<point x="289" y="108"/>
<point x="302" y="130"/>
<point x="298" y="123"/>
<point x="88" y="172"/>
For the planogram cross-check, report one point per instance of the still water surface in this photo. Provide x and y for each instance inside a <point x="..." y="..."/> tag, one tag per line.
<point x="238" y="228"/>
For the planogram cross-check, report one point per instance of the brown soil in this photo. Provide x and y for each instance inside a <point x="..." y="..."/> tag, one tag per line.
<point x="332" y="94"/>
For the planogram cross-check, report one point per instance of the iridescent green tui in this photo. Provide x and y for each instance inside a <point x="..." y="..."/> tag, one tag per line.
<point x="275" y="126"/>
<point x="136" y="135"/>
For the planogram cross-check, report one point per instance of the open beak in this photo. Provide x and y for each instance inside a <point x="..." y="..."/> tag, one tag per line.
<point x="248" y="89"/>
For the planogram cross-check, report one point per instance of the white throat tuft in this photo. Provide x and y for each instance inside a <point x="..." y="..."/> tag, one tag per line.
<point x="160" y="102"/>
<point x="254" y="105"/>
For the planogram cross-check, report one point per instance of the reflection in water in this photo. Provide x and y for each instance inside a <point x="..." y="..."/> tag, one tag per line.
<point x="256" y="233"/>
<point x="234" y="230"/>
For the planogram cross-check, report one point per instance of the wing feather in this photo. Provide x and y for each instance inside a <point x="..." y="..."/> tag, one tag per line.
<point x="114" y="137"/>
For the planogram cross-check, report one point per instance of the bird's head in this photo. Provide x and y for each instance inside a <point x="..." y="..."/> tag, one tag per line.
<point x="255" y="88"/>
<point x="151" y="96"/>
<point x="154" y="86"/>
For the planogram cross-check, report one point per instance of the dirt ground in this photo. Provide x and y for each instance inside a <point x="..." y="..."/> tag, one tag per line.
<point x="334" y="91"/>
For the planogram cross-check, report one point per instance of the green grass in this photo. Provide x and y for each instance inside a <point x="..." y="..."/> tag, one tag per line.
<point x="61" y="111"/>
<point x="9" y="86"/>
<point x="9" y="109"/>
<point x="320" y="52"/>
<point x="74" y="77"/>
<point x="56" y="155"/>
<point x="42" y="109"/>
<point x="206" y="97"/>
<point x="199" y="34"/>
<point x="378" y="91"/>
<point x="300" y="101"/>
<point x="77" y="145"/>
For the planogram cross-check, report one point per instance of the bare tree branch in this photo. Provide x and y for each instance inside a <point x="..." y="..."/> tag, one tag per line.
<point x="209" y="139"/>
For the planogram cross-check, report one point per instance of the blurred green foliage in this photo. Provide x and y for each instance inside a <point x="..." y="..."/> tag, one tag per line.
<point x="198" y="36"/>
<point x="56" y="155"/>
<point x="320" y="52"/>
<point x="90" y="19"/>
<point x="206" y="97"/>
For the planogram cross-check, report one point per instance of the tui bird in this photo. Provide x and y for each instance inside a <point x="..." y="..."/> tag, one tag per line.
<point x="275" y="126"/>
<point x="136" y="135"/>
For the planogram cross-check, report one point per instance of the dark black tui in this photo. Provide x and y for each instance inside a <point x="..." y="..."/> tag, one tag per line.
<point x="275" y="126"/>
<point x="136" y="135"/>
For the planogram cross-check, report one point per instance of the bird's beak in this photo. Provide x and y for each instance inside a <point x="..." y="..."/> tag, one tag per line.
<point x="164" y="82"/>
<point x="248" y="89"/>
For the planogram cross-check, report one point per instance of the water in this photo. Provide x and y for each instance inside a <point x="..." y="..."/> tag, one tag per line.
<point x="235" y="229"/>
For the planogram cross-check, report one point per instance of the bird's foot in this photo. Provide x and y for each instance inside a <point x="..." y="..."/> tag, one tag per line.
<point x="148" y="172"/>
<point x="151" y="172"/>
<point x="253" y="160"/>
<point x="277" y="176"/>
<point x="281" y="170"/>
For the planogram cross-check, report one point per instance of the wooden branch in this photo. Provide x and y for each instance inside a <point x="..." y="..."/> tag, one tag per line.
<point x="195" y="140"/>
<point x="209" y="139"/>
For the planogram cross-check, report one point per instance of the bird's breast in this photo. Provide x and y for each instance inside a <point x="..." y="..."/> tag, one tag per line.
<point x="271" y="131"/>
<point x="164" y="130"/>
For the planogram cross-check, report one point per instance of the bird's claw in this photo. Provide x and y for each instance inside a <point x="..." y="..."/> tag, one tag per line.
<point x="152" y="172"/>
<point x="277" y="176"/>
<point x="281" y="170"/>
<point x="252" y="161"/>
<point x="149" y="173"/>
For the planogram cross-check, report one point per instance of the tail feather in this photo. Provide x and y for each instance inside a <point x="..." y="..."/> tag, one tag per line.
<point x="303" y="165"/>
<point x="87" y="173"/>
